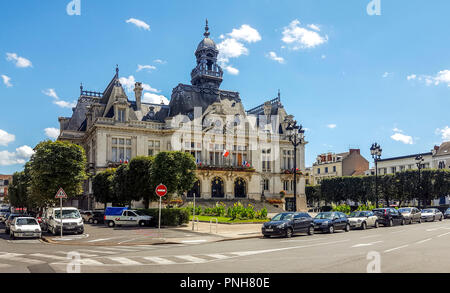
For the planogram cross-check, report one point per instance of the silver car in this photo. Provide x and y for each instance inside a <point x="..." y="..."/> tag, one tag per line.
<point x="411" y="215"/>
<point x="363" y="219"/>
<point x="432" y="214"/>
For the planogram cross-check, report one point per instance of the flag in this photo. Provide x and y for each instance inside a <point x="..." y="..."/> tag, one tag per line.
<point x="199" y="162"/>
<point x="226" y="153"/>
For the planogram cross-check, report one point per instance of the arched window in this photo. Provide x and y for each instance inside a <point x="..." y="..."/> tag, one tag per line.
<point x="217" y="187"/>
<point x="195" y="190"/>
<point x="240" y="188"/>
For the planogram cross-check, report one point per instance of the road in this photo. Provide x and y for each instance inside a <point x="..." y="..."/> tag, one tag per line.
<point x="414" y="248"/>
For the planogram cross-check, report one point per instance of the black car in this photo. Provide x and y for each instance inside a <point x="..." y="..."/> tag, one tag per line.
<point x="98" y="217"/>
<point x="288" y="224"/>
<point x="331" y="221"/>
<point x="447" y="214"/>
<point x="389" y="217"/>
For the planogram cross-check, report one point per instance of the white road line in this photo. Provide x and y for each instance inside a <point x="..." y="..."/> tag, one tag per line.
<point x="425" y="240"/>
<point x="159" y="260"/>
<point x="366" y="244"/>
<point x="121" y="249"/>
<point x="193" y="241"/>
<point x="191" y="258"/>
<point x="49" y="256"/>
<point x="444" y="234"/>
<point x="17" y="257"/>
<point x="98" y="251"/>
<point x="80" y="253"/>
<point x="218" y="256"/>
<point x="101" y="239"/>
<point x="124" y="260"/>
<point x="400" y="247"/>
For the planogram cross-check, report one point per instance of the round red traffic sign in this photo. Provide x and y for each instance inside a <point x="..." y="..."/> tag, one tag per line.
<point x="161" y="190"/>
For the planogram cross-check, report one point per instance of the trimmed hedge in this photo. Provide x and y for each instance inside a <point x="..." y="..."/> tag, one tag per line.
<point x="169" y="217"/>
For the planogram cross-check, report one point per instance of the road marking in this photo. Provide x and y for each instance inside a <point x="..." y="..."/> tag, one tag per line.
<point x="191" y="258"/>
<point x="98" y="240"/>
<point x="366" y="244"/>
<point x="425" y="240"/>
<point x="193" y="241"/>
<point x="98" y="251"/>
<point x="303" y="240"/>
<point x="400" y="247"/>
<point x="124" y="260"/>
<point x="365" y="237"/>
<point x="159" y="260"/>
<point x="17" y="257"/>
<point x="121" y="249"/>
<point x="48" y="256"/>
<point x="80" y="253"/>
<point x="218" y="256"/>
<point x="444" y="234"/>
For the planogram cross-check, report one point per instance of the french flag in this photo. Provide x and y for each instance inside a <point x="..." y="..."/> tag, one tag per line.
<point x="246" y="164"/>
<point x="226" y="153"/>
<point x="199" y="162"/>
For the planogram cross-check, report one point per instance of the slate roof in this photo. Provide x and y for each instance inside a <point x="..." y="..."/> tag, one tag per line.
<point x="444" y="149"/>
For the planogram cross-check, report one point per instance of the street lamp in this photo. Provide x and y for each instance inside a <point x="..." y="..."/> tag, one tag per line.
<point x="419" y="161"/>
<point x="375" y="151"/>
<point x="262" y="190"/>
<point x="296" y="137"/>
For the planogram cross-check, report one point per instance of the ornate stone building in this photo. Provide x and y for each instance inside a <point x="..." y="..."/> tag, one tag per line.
<point x="240" y="154"/>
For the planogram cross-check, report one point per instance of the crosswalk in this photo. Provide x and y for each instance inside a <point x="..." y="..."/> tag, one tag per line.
<point x="109" y="256"/>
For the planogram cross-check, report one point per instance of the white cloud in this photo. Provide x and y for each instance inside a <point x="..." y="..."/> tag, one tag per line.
<point x="129" y="83"/>
<point x="314" y="27"/>
<point x="6" y="138"/>
<point x="387" y="74"/>
<point x="148" y="67"/>
<point x="20" y="156"/>
<point x="273" y="56"/>
<point x="230" y="48"/>
<point x="139" y="23"/>
<point x="160" y="61"/>
<point x="245" y="33"/>
<point x="331" y="126"/>
<point x="445" y="133"/>
<point x="231" y="70"/>
<point x="6" y="80"/>
<point x="57" y="101"/>
<point x="52" y="132"/>
<point x="298" y="37"/>
<point x="323" y="56"/>
<point x="442" y="77"/>
<point x="397" y="130"/>
<point x="20" y="61"/>
<point x="406" y="139"/>
<point x="50" y="93"/>
<point x="154" y="99"/>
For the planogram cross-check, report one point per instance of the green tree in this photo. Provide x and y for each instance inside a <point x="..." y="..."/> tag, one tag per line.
<point x="140" y="175"/>
<point x="102" y="186"/>
<point x="55" y="165"/>
<point x="122" y="184"/>
<point x="18" y="190"/>
<point x="176" y="170"/>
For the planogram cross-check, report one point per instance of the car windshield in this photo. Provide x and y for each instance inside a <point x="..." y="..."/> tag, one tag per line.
<point x="404" y="210"/>
<point x="325" y="216"/>
<point x="427" y="211"/>
<point x="26" y="222"/>
<point x="282" y="217"/>
<point x="448" y="210"/>
<point x="357" y="214"/>
<point x="67" y="214"/>
<point x="139" y="213"/>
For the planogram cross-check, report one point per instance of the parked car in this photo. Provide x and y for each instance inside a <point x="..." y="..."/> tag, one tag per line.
<point x="447" y="214"/>
<point x="124" y="217"/>
<point x="98" y="217"/>
<point x="8" y="221"/>
<point x="363" y="219"/>
<point x="432" y="215"/>
<point x="3" y="214"/>
<point x="87" y="216"/>
<point x="288" y="224"/>
<point x="25" y="227"/>
<point x="331" y="221"/>
<point x="411" y="215"/>
<point x="71" y="220"/>
<point x="389" y="217"/>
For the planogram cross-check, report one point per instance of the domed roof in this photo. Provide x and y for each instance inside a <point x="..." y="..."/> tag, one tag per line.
<point x="207" y="43"/>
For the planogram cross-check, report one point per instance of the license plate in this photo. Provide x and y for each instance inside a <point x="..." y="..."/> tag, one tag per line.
<point x="29" y="234"/>
<point x="269" y="230"/>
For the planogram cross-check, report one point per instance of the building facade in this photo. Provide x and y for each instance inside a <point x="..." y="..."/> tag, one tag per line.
<point x="5" y="181"/>
<point x="403" y="163"/>
<point x="239" y="153"/>
<point x="441" y="156"/>
<point x="330" y="165"/>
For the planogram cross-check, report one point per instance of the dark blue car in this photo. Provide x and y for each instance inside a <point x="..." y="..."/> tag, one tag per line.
<point x="288" y="224"/>
<point x="331" y="221"/>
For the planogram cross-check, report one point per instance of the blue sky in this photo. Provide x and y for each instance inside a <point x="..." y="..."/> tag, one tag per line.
<point x="349" y="77"/>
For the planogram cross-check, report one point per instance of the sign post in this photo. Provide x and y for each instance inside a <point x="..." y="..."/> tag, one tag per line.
<point x="193" y="215"/>
<point x="161" y="190"/>
<point x="61" y="194"/>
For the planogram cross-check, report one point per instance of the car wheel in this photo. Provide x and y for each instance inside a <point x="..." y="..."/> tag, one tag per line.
<point x="11" y="235"/>
<point x="377" y="224"/>
<point x="331" y="230"/>
<point x="288" y="233"/>
<point x="434" y="218"/>
<point x="391" y="223"/>
<point x="142" y="223"/>
<point x="347" y="228"/>
<point x="410" y="221"/>
<point x="111" y="224"/>
<point x="420" y="220"/>
<point x="266" y="236"/>
<point x="95" y="221"/>
<point x="90" y="221"/>
<point x="440" y="219"/>
<point x="311" y="230"/>
<point x="363" y="226"/>
<point x="403" y="222"/>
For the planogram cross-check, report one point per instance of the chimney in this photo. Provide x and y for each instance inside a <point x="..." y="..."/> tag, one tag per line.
<point x="138" y="94"/>
<point x="357" y="151"/>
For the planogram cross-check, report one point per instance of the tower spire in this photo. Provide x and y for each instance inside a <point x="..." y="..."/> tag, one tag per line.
<point x="117" y="70"/>
<point x="206" y="34"/>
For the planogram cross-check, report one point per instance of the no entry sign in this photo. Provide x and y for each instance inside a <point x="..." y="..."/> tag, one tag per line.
<point x="161" y="190"/>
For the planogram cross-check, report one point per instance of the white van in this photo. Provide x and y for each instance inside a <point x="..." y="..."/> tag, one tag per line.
<point x="71" y="219"/>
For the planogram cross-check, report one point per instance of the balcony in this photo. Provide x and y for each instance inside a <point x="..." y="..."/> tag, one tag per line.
<point x="225" y="168"/>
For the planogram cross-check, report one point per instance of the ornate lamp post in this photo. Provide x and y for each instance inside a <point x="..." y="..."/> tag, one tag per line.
<point x="419" y="161"/>
<point x="375" y="151"/>
<point x="296" y="137"/>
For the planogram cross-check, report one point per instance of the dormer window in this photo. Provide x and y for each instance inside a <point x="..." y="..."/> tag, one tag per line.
<point x="121" y="115"/>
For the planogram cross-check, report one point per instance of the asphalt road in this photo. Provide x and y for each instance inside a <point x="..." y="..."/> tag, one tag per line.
<point x="415" y="248"/>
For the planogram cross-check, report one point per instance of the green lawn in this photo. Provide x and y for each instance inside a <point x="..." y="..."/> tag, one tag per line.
<point x="225" y="220"/>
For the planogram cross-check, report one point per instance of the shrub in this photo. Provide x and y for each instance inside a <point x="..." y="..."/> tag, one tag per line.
<point x="343" y="208"/>
<point x="169" y="217"/>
